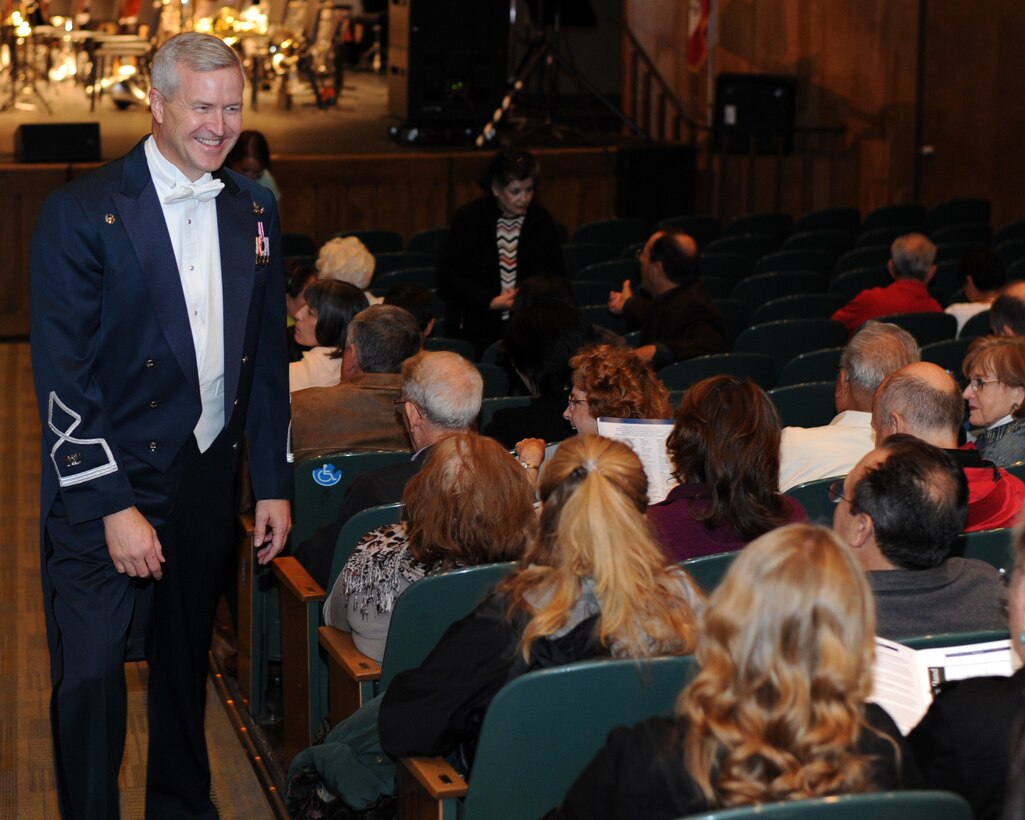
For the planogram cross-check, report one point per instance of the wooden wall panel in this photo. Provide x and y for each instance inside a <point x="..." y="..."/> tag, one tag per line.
<point x="24" y="189"/>
<point x="974" y="117"/>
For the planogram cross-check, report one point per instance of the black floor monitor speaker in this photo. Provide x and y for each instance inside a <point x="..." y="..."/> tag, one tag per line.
<point x="758" y="107"/>
<point x="655" y="181"/>
<point x="447" y="60"/>
<point x="58" y="142"/>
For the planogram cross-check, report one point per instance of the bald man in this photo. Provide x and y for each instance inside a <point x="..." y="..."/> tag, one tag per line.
<point x="679" y="321"/>
<point x="924" y="401"/>
<point x="911" y="267"/>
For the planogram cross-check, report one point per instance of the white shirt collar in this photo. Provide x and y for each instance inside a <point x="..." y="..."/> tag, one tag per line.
<point x="166" y="175"/>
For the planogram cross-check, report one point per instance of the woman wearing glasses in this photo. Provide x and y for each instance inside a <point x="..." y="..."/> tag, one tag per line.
<point x="995" y="369"/>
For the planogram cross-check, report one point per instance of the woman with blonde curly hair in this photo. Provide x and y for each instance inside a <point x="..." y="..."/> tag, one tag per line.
<point x="593" y="583"/>
<point x="777" y="711"/>
<point x="607" y="381"/>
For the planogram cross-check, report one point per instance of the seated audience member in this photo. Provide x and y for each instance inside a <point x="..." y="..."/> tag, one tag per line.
<point x="995" y="370"/>
<point x="725" y="453"/>
<point x="359" y="413"/>
<point x="298" y="277"/>
<point x="416" y="300"/>
<point x="470" y="504"/>
<point x="440" y="395"/>
<point x="495" y="243"/>
<point x="901" y="509"/>
<point x="982" y="277"/>
<point x="347" y="259"/>
<point x="320" y="326"/>
<point x="1014" y="804"/>
<point x="1007" y="313"/>
<point x="607" y="381"/>
<point x="591" y="584"/>
<point x="810" y="453"/>
<point x="251" y="157"/>
<point x="778" y="709"/>
<point x="539" y="343"/>
<point x="963" y="743"/>
<point x="923" y="400"/>
<point x="911" y="266"/>
<point x="679" y="321"/>
<point x="546" y="287"/>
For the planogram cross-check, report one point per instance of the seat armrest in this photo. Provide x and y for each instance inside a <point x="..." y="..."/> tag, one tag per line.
<point x="341" y="650"/>
<point x="434" y="776"/>
<point x="300" y="584"/>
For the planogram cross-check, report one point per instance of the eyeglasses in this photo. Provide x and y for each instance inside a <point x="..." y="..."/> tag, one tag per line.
<point x="572" y="402"/>
<point x="836" y="493"/>
<point x="978" y="385"/>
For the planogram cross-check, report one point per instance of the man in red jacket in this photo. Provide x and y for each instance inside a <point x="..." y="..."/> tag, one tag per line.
<point x="911" y="266"/>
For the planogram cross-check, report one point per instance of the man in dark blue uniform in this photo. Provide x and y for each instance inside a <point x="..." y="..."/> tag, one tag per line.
<point x="157" y="319"/>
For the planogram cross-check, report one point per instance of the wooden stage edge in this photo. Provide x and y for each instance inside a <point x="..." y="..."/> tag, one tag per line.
<point x="322" y="195"/>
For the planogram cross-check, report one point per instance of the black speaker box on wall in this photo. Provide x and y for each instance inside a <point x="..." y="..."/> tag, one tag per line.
<point x="447" y="60"/>
<point x="655" y="181"/>
<point x="754" y="106"/>
<point x="58" y="142"/>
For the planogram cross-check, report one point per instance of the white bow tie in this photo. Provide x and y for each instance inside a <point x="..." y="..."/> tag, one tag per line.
<point x="203" y="191"/>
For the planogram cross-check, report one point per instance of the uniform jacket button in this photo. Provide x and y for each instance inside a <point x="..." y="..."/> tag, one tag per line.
<point x="154" y="403"/>
<point x="153" y="445"/>
<point x="245" y="359"/>
<point x="150" y="363"/>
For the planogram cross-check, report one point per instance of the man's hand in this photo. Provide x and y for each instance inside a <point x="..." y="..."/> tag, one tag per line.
<point x="272" y="521"/>
<point x="504" y="300"/>
<point x="645" y="353"/>
<point x="133" y="544"/>
<point x="618" y="299"/>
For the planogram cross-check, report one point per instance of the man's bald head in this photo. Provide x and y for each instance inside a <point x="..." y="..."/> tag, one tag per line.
<point x="676" y="252"/>
<point x="921" y="399"/>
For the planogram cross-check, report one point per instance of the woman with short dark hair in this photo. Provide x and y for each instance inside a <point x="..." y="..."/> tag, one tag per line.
<point x="321" y="325"/>
<point x="496" y="242"/>
<point x="725" y="453"/>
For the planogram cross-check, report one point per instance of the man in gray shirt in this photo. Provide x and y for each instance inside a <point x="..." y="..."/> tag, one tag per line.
<point x="901" y="509"/>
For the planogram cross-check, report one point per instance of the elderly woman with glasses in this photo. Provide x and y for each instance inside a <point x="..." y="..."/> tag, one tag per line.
<point x="995" y="370"/>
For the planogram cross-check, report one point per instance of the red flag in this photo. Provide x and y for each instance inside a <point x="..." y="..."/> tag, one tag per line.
<point x="697" y="34"/>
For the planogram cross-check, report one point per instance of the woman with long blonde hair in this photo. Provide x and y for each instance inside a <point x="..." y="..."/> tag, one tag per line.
<point x="777" y="711"/>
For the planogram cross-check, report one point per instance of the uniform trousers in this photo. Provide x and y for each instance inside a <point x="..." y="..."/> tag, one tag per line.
<point x="90" y="608"/>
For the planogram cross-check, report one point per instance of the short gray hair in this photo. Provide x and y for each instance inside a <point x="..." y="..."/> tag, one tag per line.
<point x="198" y="52"/>
<point x="446" y="387"/>
<point x="873" y="353"/>
<point x="912" y="255"/>
<point x="384" y="337"/>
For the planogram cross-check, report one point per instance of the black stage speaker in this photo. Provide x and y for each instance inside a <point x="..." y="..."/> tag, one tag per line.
<point x="655" y="181"/>
<point x="754" y="105"/>
<point x="58" y="142"/>
<point x="447" y="60"/>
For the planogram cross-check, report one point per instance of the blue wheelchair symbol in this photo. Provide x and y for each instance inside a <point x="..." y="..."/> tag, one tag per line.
<point x="327" y="476"/>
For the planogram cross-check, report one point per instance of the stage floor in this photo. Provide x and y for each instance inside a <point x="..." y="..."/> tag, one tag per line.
<point x="357" y="124"/>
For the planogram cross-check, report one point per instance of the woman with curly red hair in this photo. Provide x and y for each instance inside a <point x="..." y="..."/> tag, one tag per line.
<point x="778" y="710"/>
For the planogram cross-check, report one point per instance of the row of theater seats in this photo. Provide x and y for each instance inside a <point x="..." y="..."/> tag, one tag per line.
<point x="543" y="728"/>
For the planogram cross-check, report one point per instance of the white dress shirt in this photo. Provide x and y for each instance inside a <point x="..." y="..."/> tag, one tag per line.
<point x="810" y="453"/>
<point x="192" y="226"/>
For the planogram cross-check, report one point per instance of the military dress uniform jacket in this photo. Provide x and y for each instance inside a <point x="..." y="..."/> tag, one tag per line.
<point x="112" y="351"/>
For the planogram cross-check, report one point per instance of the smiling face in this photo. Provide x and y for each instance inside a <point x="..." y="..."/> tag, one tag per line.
<point x="514" y="198"/>
<point x="578" y="413"/>
<point x="197" y="126"/>
<point x="990" y="400"/>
